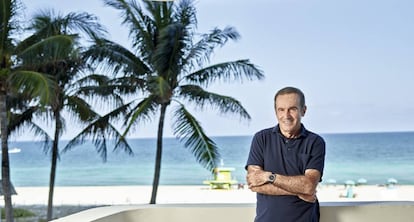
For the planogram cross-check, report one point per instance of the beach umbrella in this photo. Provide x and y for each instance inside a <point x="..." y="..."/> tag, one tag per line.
<point x="362" y="181"/>
<point x="331" y="181"/>
<point x="350" y="182"/>
<point x="392" y="181"/>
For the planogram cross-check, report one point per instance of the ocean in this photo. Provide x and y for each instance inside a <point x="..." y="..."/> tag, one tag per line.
<point x="376" y="157"/>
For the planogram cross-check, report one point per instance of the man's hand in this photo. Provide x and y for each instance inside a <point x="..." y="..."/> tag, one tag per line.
<point x="256" y="176"/>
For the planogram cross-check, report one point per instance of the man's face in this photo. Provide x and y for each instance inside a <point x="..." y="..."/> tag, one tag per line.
<point x="289" y="113"/>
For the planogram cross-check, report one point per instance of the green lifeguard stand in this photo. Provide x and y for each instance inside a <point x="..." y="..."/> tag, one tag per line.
<point x="222" y="178"/>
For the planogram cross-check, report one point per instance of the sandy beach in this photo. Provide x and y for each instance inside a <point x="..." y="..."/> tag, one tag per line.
<point x="126" y="195"/>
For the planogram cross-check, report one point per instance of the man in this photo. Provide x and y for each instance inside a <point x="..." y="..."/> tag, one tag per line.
<point x="285" y="164"/>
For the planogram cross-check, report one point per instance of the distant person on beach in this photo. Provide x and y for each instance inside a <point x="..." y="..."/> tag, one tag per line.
<point x="285" y="164"/>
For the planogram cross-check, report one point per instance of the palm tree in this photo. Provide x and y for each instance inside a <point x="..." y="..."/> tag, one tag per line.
<point x="166" y="66"/>
<point x="14" y="81"/>
<point x="62" y="58"/>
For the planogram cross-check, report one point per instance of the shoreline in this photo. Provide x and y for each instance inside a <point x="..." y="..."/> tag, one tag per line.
<point x="140" y="194"/>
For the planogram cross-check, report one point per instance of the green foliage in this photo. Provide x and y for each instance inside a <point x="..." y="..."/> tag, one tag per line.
<point x="19" y="212"/>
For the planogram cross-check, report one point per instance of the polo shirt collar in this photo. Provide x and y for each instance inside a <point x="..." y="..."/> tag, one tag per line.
<point x="303" y="131"/>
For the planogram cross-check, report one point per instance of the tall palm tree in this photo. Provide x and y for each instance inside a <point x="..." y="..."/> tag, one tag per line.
<point x="166" y="66"/>
<point x="14" y="80"/>
<point x="62" y="58"/>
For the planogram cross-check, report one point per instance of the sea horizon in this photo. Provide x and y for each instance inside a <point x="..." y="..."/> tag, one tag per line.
<point x="64" y="139"/>
<point x="373" y="156"/>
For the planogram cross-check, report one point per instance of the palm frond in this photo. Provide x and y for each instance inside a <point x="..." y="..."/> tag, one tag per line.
<point x="142" y="112"/>
<point x="160" y="12"/>
<point x="201" y="98"/>
<point x="80" y="107"/>
<point x="115" y="58"/>
<point x="40" y="132"/>
<point x="201" y="52"/>
<point x="141" y="26"/>
<point x="94" y="85"/>
<point x="187" y="129"/>
<point x="49" y="22"/>
<point x="17" y="120"/>
<point x="49" y="49"/>
<point x="35" y="84"/>
<point x="20" y="118"/>
<point x="24" y="122"/>
<point x="169" y="52"/>
<point x="129" y="84"/>
<point x="185" y="14"/>
<point x="234" y="71"/>
<point x="99" y="131"/>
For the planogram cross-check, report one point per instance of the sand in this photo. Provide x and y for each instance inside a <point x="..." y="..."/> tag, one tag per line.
<point x="122" y="195"/>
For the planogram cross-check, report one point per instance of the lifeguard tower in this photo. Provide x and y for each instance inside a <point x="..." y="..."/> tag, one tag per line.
<point x="222" y="178"/>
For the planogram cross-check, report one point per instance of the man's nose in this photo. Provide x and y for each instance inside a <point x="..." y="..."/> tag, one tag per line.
<point x="286" y="113"/>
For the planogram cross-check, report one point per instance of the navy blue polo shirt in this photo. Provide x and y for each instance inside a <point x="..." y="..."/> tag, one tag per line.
<point x="277" y="154"/>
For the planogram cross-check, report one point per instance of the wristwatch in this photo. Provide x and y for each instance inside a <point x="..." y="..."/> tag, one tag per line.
<point x="271" y="178"/>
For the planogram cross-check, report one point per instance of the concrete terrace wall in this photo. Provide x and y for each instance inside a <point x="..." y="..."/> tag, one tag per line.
<point x="330" y="212"/>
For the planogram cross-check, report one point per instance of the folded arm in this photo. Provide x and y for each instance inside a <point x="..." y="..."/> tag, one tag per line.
<point x="303" y="186"/>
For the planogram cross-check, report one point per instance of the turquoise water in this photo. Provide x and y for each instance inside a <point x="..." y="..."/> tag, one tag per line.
<point x="373" y="156"/>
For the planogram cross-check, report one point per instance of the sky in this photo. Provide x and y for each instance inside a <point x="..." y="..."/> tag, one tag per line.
<point x="353" y="59"/>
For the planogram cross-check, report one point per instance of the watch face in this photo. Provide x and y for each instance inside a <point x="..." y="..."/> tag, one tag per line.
<point x="271" y="178"/>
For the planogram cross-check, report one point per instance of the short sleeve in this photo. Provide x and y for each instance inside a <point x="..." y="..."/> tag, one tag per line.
<point x="317" y="160"/>
<point x="256" y="151"/>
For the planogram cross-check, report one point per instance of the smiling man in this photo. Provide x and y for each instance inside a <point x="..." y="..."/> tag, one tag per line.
<point x="285" y="164"/>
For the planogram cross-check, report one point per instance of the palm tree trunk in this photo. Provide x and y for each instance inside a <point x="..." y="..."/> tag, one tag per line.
<point x="158" y="155"/>
<point x="55" y="153"/>
<point x="5" y="163"/>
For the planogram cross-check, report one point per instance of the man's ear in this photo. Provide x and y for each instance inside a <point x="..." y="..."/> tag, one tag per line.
<point x="304" y="110"/>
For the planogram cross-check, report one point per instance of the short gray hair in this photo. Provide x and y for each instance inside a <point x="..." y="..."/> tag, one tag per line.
<point x="290" y="90"/>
